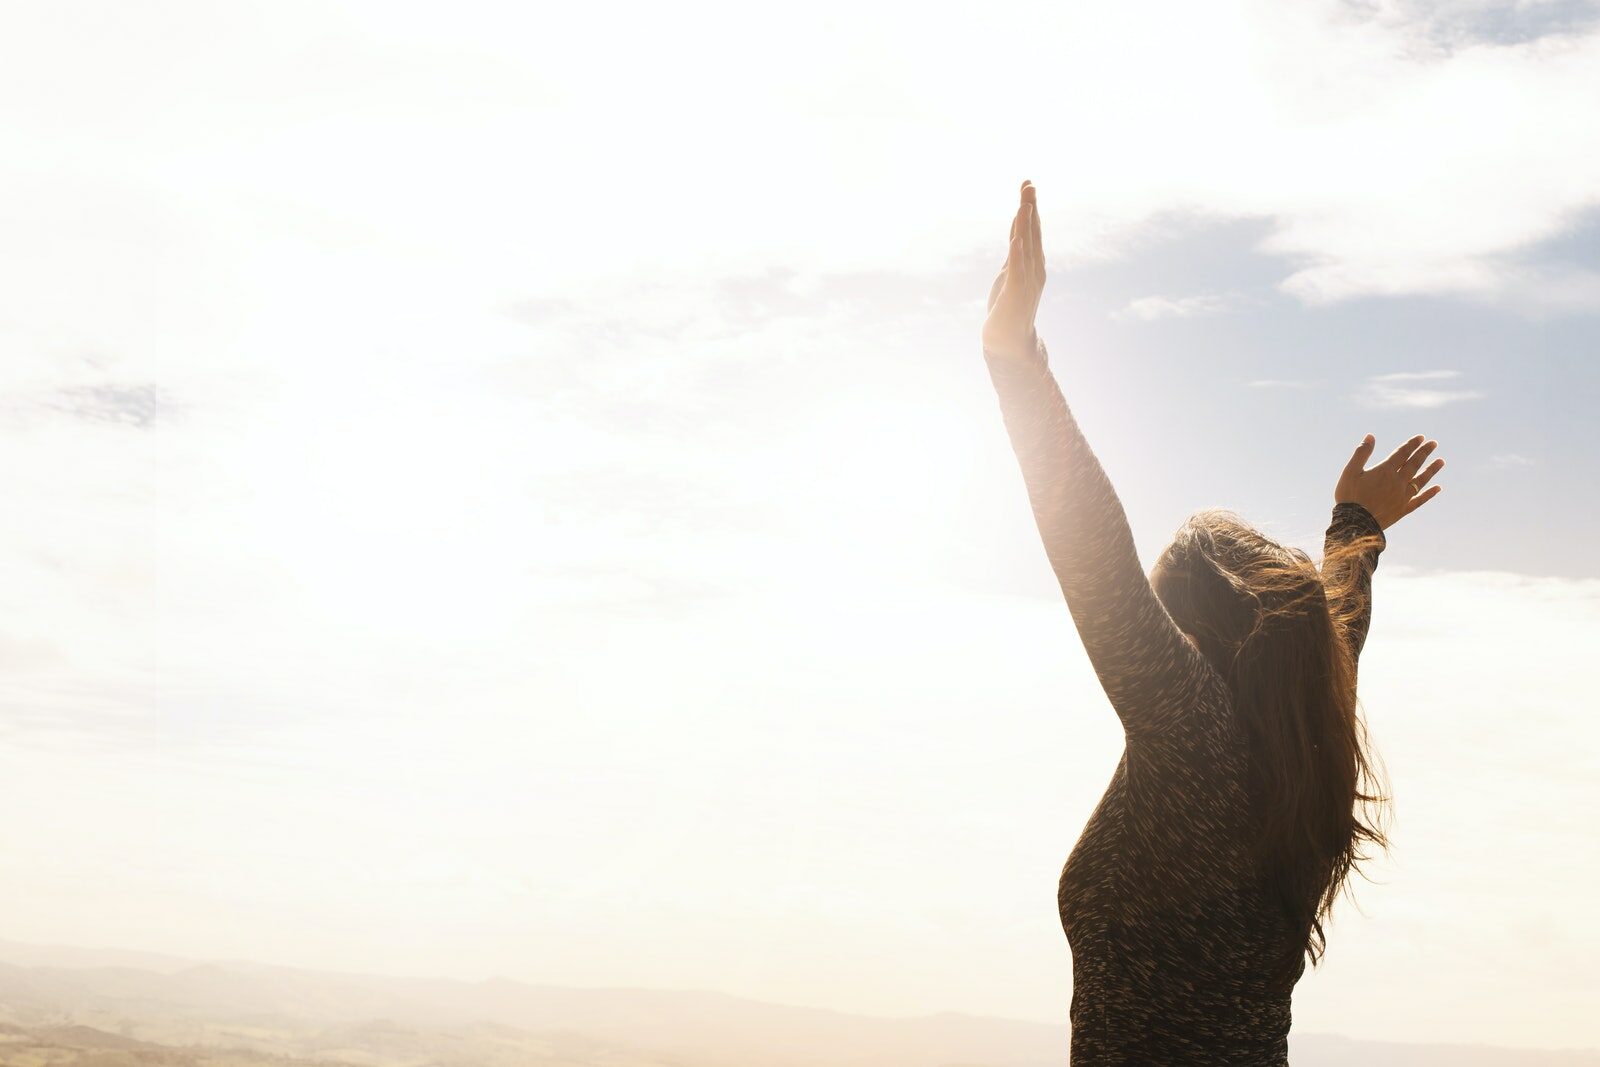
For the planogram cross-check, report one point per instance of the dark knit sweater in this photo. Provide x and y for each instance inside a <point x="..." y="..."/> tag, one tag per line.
<point x="1174" y="942"/>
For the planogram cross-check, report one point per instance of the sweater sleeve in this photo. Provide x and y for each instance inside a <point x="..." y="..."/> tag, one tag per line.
<point x="1351" y="524"/>
<point x="1149" y="669"/>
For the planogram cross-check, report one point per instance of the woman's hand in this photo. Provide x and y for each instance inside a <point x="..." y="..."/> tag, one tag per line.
<point x="1008" y="332"/>
<point x="1394" y="488"/>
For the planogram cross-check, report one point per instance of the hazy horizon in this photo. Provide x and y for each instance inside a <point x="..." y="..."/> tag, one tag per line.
<point x="516" y="491"/>
<point x="65" y="1007"/>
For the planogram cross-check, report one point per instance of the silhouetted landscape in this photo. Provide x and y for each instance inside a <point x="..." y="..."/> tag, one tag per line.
<point x="63" y="1007"/>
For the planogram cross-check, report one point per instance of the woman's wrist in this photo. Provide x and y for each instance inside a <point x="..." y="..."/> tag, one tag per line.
<point x="1353" y="511"/>
<point x="1023" y="353"/>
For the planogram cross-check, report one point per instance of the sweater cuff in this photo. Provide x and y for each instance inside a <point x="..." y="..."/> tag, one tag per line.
<point x="1357" y="517"/>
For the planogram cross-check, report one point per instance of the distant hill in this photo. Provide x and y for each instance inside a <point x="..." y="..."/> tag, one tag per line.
<point x="84" y="1008"/>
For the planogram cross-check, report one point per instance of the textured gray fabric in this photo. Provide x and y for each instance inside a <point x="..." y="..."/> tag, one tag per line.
<point x="1173" y="938"/>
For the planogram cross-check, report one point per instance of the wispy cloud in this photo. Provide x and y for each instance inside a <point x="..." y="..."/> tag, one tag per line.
<point x="1508" y="461"/>
<point x="140" y="406"/>
<point x="1402" y="389"/>
<point x="1447" y="26"/>
<point x="1282" y="383"/>
<point x="1150" y="308"/>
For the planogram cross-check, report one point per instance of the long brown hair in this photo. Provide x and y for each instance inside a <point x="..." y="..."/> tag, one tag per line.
<point x="1285" y="637"/>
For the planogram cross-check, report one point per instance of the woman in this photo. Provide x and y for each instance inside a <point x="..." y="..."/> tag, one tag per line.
<point x="1241" y="802"/>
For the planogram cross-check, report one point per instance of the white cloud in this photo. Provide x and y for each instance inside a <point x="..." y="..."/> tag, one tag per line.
<point x="1509" y="461"/>
<point x="1397" y="391"/>
<point x="463" y="151"/>
<point x="1149" y="308"/>
<point x="1443" y="26"/>
<point x="1416" y="376"/>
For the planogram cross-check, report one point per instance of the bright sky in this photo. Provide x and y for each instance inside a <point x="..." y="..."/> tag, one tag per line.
<point x="496" y="489"/>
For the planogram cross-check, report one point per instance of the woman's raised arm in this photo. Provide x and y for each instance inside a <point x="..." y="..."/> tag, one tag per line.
<point x="1149" y="669"/>
<point x="1367" y="502"/>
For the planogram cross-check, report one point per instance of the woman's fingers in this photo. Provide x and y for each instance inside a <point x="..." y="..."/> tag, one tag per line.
<point x="1030" y="201"/>
<point x="1019" y="262"/>
<point x="1427" y="476"/>
<point x="1037" y="240"/>
<point x="1358" y="458"/>
<point x="1021" y="278"/>
<point x="1038" y="261"/>
<point x="1030" y="243"/>
<point x="1418" y="458"/>
<point x="1421" y="499"/>
<point x="1027" y="227"/>
<point x="1401" y="454"/>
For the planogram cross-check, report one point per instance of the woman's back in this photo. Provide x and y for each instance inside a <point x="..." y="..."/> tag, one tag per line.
<point x="1174" y="937"/>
